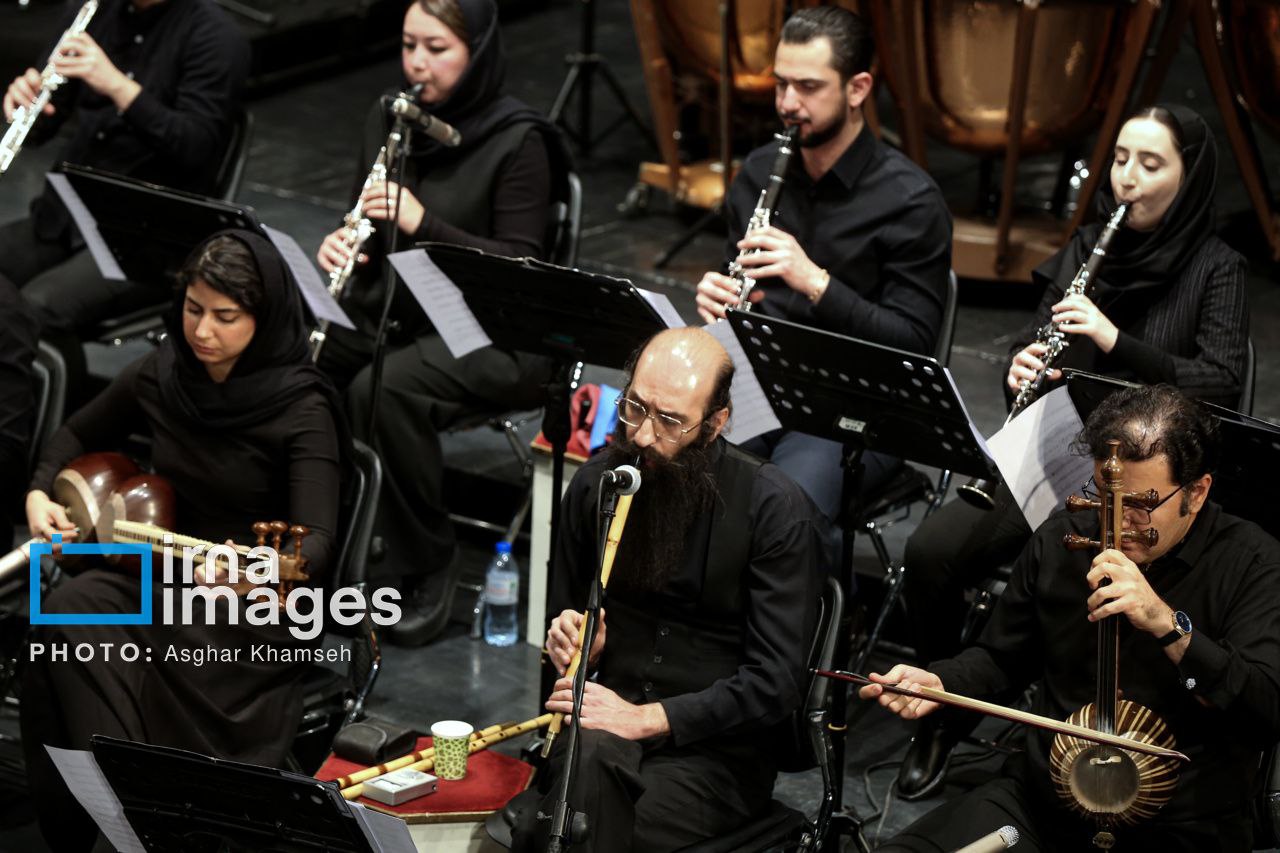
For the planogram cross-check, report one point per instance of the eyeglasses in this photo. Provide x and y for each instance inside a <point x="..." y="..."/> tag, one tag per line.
<point x="665" y="427"/>
<point x="1141" y="516"/>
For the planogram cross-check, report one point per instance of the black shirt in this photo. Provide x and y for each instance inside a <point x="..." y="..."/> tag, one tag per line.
<point x="723" y="664"/>
<point x="1222" y="703"/>
<point x="879" y="226"/>
<point x="18" y="333"/>
<point x="191" y="62"/>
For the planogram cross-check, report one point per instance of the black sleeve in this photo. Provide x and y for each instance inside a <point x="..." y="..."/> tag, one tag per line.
<point x="521" y="204"/>
<point x="64" y="99"/>
<point x="104" y="423"/>
<point x="17" y="394"/>
<point x="315" y="475"/>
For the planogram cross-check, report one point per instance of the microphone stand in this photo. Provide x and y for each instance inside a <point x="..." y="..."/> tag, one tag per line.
<point x="566" y="825"/>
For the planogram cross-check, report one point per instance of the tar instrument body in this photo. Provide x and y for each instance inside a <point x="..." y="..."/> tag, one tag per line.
<point x="1114" y="787"/>
<point x="981" y="493"/>
<point x="763" y="214"/>
<point x="25" y="116"/>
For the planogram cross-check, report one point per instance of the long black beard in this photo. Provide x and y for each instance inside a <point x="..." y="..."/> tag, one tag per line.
<point x="674" y="495"/>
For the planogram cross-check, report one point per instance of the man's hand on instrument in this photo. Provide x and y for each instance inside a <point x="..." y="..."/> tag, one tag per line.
<point x="45" y="518"/>
<point x="562" y="640"/>
<point x="379" y="200"/>
<point x="605" y="710"/>
<point x="334" y="252"/>
<point x="1026" y="364"/>
<point x="906" y="677"/>
<point x="718" y="292"/>
<point x="22" y="91"/>
<point x="1079" y="316"/>
<point x="1128" y="593"/>
<point x="81" y="58"/>
<point x="781" y="256"/>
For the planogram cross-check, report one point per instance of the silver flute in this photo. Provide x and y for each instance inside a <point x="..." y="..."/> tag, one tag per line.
<point x="763" y="213"/>
<point x="356" y="231"/>
<point x="25" y="115"/>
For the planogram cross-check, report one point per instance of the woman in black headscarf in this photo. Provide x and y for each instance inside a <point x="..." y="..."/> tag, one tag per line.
<point x="1168" y="305"/>
<point x="492" y="192"/>
<point x="244" y="428"/>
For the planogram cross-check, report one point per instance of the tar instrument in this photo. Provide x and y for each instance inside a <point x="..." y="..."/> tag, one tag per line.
<point x="356" y="231"/>
<point x="424" y="760"/>
<point x="606" y="568"/>
<point x="765" y="207"/>
<point x="981" y="492"/>
<point x="111" y="501"/>
<point x="25" y="116"/>
<point x="1110" y="785"/>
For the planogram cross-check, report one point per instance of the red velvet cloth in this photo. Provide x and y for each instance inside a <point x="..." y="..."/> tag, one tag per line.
<point x="492" y="779"/>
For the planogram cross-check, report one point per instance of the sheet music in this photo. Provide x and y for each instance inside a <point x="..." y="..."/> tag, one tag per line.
<point x="80" y="771"/>
<point x="441" y="299"/>
<point x="88" y="226"/>
<point x="385" y="833"/>
<point x="752" y="413"/>
<point x="663" y="306"/>
<point x="314" y="290"/>
<point x="1033" y="453"/>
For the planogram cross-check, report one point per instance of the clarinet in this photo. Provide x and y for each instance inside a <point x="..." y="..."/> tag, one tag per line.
<point x="356" y="231"/>
<point x="25" y="116"/>
<point x="981" y="492"/>
<point x="765" y="207"/>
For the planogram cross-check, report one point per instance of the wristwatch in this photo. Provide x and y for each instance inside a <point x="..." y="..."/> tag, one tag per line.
<point x="1181" y="628"/>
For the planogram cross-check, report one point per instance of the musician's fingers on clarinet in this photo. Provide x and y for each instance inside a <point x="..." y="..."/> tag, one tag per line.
<point x="715" y="291"/>
<point x="333" y="252"/>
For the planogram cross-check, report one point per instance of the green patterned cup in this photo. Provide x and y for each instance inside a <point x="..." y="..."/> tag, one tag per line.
<point x="452" y="739"/>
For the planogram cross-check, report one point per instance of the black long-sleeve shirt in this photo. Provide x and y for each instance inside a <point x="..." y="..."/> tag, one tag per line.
<point x="18" y="333"/>
<point x="719" y="677"/>
<point x="1222" y="702"/>
<point x="191" y="62"/>
<point x="877" y="223"/>
<point x="224" y="480"/>
<point x="1192" y="332"/>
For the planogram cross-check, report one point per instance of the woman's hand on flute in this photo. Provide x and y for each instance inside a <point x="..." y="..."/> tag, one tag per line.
<point x="562" y="639"/>
<point x="605" y="710"/>
<point x="906" y="677"/>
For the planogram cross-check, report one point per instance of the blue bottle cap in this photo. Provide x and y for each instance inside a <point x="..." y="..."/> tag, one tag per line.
<point x="503" y="547"/>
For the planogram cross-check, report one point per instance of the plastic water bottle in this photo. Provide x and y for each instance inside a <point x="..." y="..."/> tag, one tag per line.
<point x="502" y="598"/>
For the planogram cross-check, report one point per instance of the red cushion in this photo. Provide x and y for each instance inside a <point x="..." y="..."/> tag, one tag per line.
<point x="491" y="780"/>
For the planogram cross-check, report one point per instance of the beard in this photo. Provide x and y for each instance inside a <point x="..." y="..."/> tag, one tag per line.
<point x="820" y="135"/>
<point x="676" y="493"/>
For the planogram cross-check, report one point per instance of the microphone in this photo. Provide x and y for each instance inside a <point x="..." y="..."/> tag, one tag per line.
<point x="625" y="479"/>
<point x="1002" y="839"/>
<point x="403" y="106"/>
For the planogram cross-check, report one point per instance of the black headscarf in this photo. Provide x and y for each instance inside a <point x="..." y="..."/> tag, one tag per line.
<point x="273" y="372"/>
<point x="1139" y="259"/>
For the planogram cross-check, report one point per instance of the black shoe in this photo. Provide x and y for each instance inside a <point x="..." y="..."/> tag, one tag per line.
<point x="925" y="767"/>
<point x="425" y="611"/>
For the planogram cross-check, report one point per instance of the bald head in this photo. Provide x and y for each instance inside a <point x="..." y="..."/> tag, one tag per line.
<point x="682" y="374"/>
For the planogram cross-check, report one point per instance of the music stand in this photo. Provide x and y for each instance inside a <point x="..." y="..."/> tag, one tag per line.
<point x="179" y="800"/>
<point x="863" y="396"/>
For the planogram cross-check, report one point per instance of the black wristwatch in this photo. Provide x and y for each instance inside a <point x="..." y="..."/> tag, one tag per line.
<point x="1181" y="628"/>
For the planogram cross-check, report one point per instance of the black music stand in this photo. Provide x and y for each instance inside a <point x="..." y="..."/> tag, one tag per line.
<point x="865" y="397"/>
<point x="179" y="800"/>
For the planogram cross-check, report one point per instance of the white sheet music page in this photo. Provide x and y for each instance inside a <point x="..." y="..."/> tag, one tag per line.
<point x="80" y="771"/>
<point x="314" y="291"/>
<point x="441" y="299"/>
<point x="660" y="303"/>
<point x="107" y="264"/>
<point x="1033" y="453"/>
<point x="752" y="413"/>
<point x="385" y="833"/>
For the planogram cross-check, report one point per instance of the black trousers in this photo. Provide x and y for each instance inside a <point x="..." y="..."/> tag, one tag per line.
<point x="425" y="391"/>
<point x="1042" y="828"/>
<point x="646" y="799"/>
<point x="951" y="550"/>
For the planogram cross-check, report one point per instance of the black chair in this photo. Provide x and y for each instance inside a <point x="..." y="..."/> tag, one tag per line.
<point x="226" y="186"/>
<point x="50" y="374"/>
<point x="331" y="698"/>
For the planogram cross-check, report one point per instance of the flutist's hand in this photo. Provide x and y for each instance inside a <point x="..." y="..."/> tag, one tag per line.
<point x="605" y="710"/>
<point x="1077" y="315"/>
<point x="379" y="202"/>
<point x="334" y="252"/>
<point x="22" y="91"/>
<point x="906" y="677"/>
<point x="562" y="640"/>
<point x="45" y="517"/>
<point x="81" y="58"/>
<point x="781" y="256"/>
<point x="1026" y="364"/>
